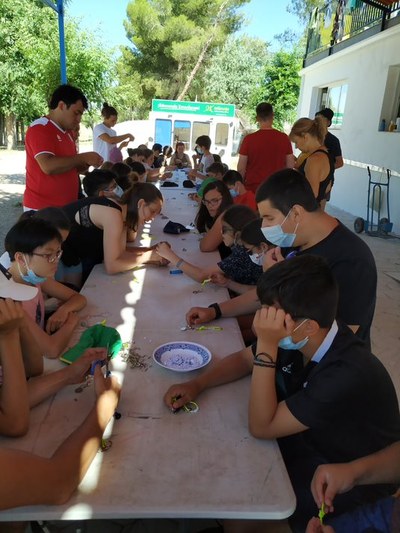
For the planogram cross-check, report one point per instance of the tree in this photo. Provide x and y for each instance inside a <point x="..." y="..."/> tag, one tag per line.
<point x="303" y="8"/>
<point x="236" y="71"/>
<point x="29" y="61"/>
<point x="281" y="86"/>
<point x="172" y="41"/>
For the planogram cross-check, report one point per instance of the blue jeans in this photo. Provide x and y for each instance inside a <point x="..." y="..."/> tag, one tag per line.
<point x="373" y="518"/>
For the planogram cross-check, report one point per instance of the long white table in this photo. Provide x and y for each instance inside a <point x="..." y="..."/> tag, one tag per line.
<point x="162" y="465"/>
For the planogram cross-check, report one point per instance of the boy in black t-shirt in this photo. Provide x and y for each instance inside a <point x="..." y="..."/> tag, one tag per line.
<point x="339" y="405"/>
<point x="315" y="386"/>
<point x="291" y="218"/>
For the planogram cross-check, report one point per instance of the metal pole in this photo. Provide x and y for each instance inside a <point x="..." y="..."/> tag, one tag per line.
<point x="63" y="60"/>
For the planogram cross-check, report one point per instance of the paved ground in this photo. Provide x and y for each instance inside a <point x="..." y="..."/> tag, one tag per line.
<point x="385" y="330"/>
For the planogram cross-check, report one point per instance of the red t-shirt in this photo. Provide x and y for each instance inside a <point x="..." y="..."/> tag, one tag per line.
<point x="44" y="190"/>
<point x="266" y="152"/>
<point x="247" y="198"/>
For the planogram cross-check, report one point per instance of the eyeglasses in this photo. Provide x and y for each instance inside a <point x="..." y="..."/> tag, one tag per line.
<point x="50" y="258"/>
<point x="212" y="203"/>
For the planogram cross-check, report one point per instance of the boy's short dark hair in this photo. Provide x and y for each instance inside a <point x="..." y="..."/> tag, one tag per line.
<point x="132" y="152"/>
<point x="264" y="110"/>
<point x="67" y="94"/>
<point x="147" y="153"/>
<point x="137" y="167"/>
<point x="54" y="215"/>
<point x="158" y="147"/>
<point x="231" y="177"/>
<point x="303" y="286"/>
<point x="97" y="180"/>
<point x="121" y="169"/>
<point x="204" y="140"/>
<point x="326" y="112"/>
<point x="286" y="188"/>
<point x="28" y="234"/>
<point x="216" y="168"/>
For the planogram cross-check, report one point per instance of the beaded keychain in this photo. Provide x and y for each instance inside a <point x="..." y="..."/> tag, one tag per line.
<point x="322" y="514"/>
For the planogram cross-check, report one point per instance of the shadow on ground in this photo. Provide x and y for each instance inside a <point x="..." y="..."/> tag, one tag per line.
<point x="17" y="179"/>
<point x="10" y="210"/>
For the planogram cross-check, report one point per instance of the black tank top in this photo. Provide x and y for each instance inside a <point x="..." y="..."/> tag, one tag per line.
<point x="324" y="184"/>
<point x="85" y="239"/>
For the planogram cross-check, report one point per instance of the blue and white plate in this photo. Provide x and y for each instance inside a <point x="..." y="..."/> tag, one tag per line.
<point x="182" y="356"/>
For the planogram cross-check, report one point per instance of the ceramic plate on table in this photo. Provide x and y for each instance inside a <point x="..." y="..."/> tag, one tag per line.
<point x="182" y="356"/>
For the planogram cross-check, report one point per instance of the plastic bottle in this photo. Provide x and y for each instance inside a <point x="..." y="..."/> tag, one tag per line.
<point x="392" y="126"/>
<point x="382" y="125"/>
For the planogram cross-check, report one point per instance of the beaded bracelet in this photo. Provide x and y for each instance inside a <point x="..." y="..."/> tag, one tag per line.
<point x="260" y="362"/>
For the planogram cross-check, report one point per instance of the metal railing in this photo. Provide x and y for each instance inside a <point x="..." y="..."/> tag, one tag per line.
<point x="339" y="20"/>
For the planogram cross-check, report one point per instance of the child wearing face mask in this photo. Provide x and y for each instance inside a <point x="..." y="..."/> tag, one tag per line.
<point x="241" y="196"/>
<point x="254" y="241"/>
<point x="203" y="158"/>
<point x="34" y="247"/>
<point x="234" y="271"/>
<point x="124" y="177"/>
<point x="101" y="182"/>
<point x="315" y="387"/>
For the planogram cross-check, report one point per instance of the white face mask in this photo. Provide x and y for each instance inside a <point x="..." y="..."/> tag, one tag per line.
<point x="118" y="191"/>
<point x="258" y="259"/>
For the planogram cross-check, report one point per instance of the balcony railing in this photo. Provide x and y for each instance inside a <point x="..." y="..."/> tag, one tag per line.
<point x="340" y="20"/>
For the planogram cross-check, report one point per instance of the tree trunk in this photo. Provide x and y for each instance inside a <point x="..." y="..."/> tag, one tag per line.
<point x="11" y="136"/>
<point x="202" y="53"/>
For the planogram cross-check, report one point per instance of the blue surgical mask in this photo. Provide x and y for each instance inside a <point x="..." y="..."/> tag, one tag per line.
<point x="118" y="191"/>
<point x="277" y="236"/>
<point x="287" y="342"/>
<point x="30" y="276"/>
<point x="199" y="151"/>
<point x="234" y="193"/>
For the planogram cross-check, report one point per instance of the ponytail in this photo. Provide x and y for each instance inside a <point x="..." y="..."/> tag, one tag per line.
<point x="315" y="128"/>
<point x="108" y="111"/>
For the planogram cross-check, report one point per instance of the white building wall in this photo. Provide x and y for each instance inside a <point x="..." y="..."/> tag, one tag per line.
<point x="364" y="67"/>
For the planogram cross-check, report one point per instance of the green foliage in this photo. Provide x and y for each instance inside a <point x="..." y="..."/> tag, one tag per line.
<point x="168" y="36"/>
<point x="303" y="8"/>
<point x="20" y="44"/>
<point x="235" y="71"/>
<point x="127" y="95"/>
<point x="29" y="59"/>
<point x="281" y="86"/>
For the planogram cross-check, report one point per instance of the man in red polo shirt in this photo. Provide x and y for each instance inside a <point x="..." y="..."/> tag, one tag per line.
<point x="52" y="162"/>
<point x="264" y="152"/>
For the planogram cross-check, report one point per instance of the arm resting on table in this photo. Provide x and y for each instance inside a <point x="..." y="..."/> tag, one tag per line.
<point x="28" y="479"/>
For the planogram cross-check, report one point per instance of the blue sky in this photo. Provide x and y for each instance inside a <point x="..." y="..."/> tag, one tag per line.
<point x="266" y="18"/>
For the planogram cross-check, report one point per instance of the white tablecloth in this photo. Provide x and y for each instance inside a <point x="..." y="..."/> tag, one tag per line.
<point x="162" y="464"/>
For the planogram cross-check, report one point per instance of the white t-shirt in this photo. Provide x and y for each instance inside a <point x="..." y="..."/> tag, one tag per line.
<point x="101" y="147"/>
<point x="205" y="162"/>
